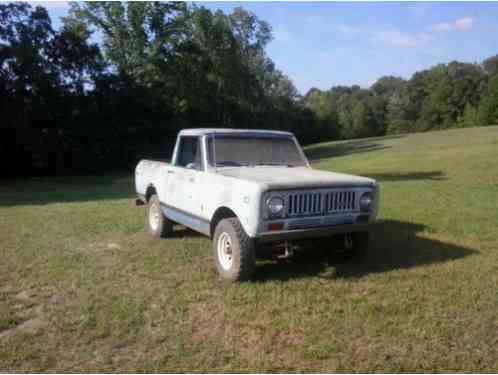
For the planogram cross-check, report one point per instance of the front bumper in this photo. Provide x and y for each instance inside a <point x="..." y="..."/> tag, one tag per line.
<point x="317" y="232"/>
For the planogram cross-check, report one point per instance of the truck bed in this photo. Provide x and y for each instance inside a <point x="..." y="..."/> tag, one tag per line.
<point x="146" y="172"/>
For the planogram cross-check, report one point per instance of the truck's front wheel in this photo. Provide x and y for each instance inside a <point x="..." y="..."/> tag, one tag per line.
<point x="233" y="250"/>
<point x="156" y="223"/>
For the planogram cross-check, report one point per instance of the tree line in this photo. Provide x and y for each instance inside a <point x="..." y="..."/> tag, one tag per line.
<point x="117" y="81"/>
<point x="445" y="96"/>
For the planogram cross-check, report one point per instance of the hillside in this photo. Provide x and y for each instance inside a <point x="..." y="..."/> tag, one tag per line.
<point x="83" y="288"/>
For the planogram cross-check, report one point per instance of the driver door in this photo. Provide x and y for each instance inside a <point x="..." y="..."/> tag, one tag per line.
<point x="186" y="170"/>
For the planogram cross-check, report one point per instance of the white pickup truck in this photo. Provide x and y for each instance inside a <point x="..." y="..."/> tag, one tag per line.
<point x="249" y="190"/>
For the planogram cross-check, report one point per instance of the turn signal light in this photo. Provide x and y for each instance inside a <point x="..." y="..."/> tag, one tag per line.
<point x="275" y="226"/>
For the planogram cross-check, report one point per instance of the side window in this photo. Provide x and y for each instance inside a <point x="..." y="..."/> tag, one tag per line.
<point x="190" y="153"/>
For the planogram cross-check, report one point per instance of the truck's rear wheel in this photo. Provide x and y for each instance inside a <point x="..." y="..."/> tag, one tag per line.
<point x="233" y="250"/>
<point x="356" y="245"/>
<point x="156" y="223"/>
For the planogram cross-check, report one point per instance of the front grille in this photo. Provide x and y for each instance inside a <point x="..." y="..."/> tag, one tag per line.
<point x="304" y="204"/>
<point x="340" y="201"/>
<point x="321" y="202"/>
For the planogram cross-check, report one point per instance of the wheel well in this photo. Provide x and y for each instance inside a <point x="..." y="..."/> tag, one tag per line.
<point x="150" y="191"/>
<point x="220" y="214"/>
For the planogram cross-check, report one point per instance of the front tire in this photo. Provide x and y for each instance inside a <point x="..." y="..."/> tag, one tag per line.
<point x="156" y="223"/>
<point x="233" y="251"/>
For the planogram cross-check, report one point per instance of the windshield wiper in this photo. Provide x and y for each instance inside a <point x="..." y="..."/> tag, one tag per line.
<point x="229" y="163"/>
<point x="274" y="164"/>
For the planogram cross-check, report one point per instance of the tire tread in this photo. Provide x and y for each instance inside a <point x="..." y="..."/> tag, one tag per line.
<point x="165" y="226"/>
<point x="247" y="259"/>
<point x="244" y="266"/>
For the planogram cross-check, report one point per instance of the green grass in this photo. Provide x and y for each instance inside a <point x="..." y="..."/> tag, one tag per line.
<point x="84" y="289"/>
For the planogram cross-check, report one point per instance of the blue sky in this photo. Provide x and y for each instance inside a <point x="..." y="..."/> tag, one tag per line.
<point x="322" y="44"/>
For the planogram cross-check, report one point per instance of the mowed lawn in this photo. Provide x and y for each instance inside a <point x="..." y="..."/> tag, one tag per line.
<point x="83" y="288"/>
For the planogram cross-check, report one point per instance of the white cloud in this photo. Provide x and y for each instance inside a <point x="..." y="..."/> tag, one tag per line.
<point x="390" y="37"/>
<point x="396" y="38"/>
<point x="351" y="31"/>
<point x="393" y="37"/>
<point x="462" y="24"/>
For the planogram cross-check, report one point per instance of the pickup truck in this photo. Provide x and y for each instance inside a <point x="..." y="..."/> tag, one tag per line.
<point x="253" y="189"/>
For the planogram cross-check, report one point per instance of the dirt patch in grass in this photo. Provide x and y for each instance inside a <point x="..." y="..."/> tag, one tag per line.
<point x="207" y="322"/>
<point x="245" y="337"/>
<point x="26" y="316"/>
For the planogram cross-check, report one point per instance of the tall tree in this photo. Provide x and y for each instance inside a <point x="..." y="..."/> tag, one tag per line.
<point x="490" y="65"/>
<point x="488" y="107"/>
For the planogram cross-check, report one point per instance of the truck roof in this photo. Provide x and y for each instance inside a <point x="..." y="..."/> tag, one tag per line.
<point x="204" y="131"/>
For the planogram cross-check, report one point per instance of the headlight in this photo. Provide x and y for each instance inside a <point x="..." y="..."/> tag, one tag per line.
<point x="366" y="201"/>
<point x="275" y="206"/>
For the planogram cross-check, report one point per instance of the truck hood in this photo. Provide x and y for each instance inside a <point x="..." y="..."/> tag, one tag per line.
<point x="297" y="177"/>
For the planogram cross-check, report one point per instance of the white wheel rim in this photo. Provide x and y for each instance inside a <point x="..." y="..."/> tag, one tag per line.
<point x="154" y="217"/>
<point x="225" y="255"/>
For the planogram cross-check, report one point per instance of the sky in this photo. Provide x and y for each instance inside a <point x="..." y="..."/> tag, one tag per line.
<point x="324" y="44"/>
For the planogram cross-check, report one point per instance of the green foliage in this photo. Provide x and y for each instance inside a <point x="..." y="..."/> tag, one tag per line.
<point x="362" y="120"/>
<point x="70" y="105"/>
<point x="349" y="112"/>
<point x="488" y="108"/>
<point x="431" y="99"/>
<point x="490" y="65"/>
<point x="469" y="118"/>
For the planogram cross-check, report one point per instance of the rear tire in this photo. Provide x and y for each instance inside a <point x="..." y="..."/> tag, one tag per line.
<point x="156" y="223"/>
<point x="356" y="245"/>
<point x="233" y="250"/>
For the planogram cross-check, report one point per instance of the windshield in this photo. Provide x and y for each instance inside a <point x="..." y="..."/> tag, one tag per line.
<point x="251" y="150"/>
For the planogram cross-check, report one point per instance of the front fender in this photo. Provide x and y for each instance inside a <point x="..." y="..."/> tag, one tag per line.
<point x="240" y="196"/>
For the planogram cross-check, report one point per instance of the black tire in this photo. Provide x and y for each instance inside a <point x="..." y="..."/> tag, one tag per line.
<point x="358" y="245"/>
<point x="242" y="248"/>
<point x="163" y="227"/>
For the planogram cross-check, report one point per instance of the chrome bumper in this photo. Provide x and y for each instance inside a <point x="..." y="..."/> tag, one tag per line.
<point x="298" y="234"/>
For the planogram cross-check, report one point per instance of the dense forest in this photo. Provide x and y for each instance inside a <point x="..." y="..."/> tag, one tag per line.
<point x="117" y="81"/>
<point x="445" y="96"/>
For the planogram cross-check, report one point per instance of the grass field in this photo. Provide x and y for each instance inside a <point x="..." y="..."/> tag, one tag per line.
<point x="83" y="288"/>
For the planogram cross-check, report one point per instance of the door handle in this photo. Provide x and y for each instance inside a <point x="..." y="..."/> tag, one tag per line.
<point x="191" y="179"/>
<point x="170" y="172"/>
